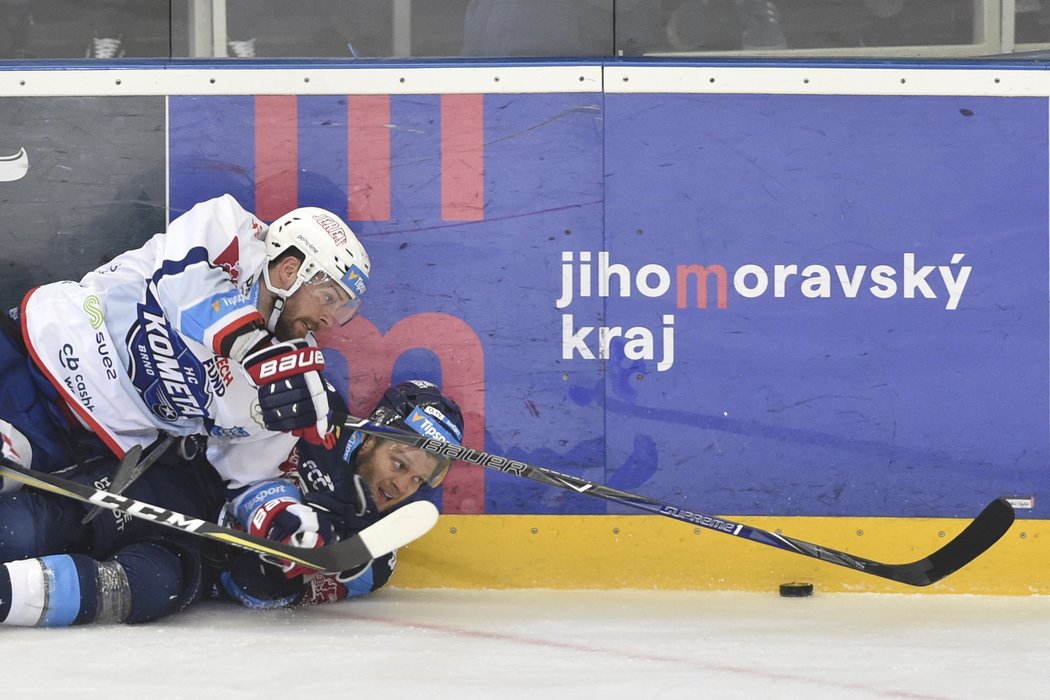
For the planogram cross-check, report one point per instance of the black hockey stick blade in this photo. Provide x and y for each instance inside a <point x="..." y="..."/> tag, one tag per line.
<point x="982" y="532"/>
<point x="400" y="527"/>
<point x="977" y="537"/>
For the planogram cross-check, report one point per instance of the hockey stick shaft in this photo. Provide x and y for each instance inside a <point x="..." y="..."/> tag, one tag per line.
<point x="130" y="468"/>
<point x="978" y="536"/>
<point x="345" y="554"/>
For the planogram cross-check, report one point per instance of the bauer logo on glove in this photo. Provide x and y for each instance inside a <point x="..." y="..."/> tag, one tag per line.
<point x="293" y="397"/>
<point x="274" y="510"/>
<point x="283" y="360"/>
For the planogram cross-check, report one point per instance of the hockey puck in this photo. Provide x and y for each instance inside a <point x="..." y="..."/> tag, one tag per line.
<point x="796" y="590"/>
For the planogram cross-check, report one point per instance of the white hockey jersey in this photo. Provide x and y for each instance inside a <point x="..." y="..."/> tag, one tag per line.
<point x="133" y="347"/>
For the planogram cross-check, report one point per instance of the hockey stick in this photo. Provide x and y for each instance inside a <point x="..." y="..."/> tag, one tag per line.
<point x="405" y="524"/>
<point x="124" y="475"/>
<point x="979" y="535"/>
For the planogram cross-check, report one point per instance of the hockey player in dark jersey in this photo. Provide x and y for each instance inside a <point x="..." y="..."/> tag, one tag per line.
<point x="60" y="572"/>
<point x="346" y="490"/>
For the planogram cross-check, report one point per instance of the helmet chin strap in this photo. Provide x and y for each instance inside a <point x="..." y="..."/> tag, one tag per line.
<point x="279" y="297"/>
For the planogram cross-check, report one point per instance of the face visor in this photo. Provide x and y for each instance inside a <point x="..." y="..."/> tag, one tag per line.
<point x="423" y="462"/>
<point x="438" y="475"/>
<point x="335" y="303"/>
<point x="430" y="426"/>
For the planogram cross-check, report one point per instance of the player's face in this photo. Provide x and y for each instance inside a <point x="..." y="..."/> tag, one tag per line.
<point x="314" y="307"/>
<point x="393" y="472"/>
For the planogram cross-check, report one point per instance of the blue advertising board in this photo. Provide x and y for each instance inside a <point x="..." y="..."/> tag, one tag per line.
<point x="881" y="346"/>
<point x="750" y="304"/>
<point x="758" y="301"/>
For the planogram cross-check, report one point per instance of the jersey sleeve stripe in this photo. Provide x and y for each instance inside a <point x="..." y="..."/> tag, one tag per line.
<point x="77" y="409"/>
<point x="222" y="339"/>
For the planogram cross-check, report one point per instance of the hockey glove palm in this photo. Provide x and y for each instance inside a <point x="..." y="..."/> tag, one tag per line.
<point x="292" y="396"/>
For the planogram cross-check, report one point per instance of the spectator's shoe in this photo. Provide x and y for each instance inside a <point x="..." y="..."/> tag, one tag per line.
<point x="106" y="48"/>
<point x="761" y="25"/>
<point x="242" y="49"/>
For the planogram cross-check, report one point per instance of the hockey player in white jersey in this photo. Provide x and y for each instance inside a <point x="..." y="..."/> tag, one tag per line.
<point x="206" y="329"/>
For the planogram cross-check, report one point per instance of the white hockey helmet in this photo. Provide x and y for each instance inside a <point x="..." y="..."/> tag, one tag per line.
<point x="330" y="250"/>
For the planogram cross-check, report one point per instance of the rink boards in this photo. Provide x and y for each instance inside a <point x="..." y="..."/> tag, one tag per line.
<point x="654" y="553"/>
<point x="806" y="292"/>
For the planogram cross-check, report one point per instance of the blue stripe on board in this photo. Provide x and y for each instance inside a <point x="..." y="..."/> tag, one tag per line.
<point x="322" y="152"/>
<point x="212" y="141"/>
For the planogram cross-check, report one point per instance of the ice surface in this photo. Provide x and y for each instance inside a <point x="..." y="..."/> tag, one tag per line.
<point x="552" y="645"/>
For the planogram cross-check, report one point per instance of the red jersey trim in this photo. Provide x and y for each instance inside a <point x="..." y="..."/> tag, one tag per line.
<point x="76" y="410"/>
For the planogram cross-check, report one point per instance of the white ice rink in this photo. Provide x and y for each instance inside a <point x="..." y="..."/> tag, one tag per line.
<point x="552" y="645"/>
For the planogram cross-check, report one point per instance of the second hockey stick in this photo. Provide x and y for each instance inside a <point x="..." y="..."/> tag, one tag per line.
<point x="402" y="526"/>
<point x="984" y="531"/>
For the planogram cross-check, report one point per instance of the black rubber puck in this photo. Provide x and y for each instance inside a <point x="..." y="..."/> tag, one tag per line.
<point x="796" y="590"/>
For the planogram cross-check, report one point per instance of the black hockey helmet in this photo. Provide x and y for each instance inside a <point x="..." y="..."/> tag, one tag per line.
<point x="419" y="406"/>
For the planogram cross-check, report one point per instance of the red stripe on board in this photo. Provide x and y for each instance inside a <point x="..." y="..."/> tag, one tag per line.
<point x="276" y="155"/>
<point x="462" y="157"/>
<point x="368" y="157"/>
